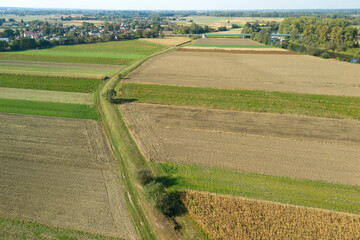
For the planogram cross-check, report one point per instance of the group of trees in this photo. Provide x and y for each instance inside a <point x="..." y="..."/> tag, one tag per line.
<point x="334" y="34"/>
<point x="192" y="29"/>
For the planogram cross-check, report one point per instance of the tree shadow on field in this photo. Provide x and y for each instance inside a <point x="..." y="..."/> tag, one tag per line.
<point x="178" y="206"/>
<point x="123" y="100"/>
<point x="167" y="181"/>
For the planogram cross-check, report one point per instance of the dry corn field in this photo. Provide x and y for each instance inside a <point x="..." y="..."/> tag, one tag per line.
<point x="59" y="172"/>
<point x="283" y="145"/>
<point x="272" y="72"/>
<point x="168" y="41"/>
<point x="226" y="217"/>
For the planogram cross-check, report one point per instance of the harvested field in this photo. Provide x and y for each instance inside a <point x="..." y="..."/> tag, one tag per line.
<point x="281" y="145"/>
<point x="227" y="41"/>
<point x="168" y="41"/>
<point x="283" y="73"/>
<point x="59" y="172"/>
<point x="46" y="96"/>
<point x="225" y="217"/>
<point x="243" y="50"/>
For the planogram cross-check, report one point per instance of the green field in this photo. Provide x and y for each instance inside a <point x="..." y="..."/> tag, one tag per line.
<point x="47" y="83"/>
<point x="11" y="229"/>
<point x="231" y="46"/>
<point x="118" y="53"/>
<point x="48" y="109"/>
<point x="63" y="59"/>
<point x="58" y="68"/>
<point x="307" y="193"/>
<point x="245" y="100"/>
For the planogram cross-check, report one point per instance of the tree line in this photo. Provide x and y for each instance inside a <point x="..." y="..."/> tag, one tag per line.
<point x="327" y="33"/>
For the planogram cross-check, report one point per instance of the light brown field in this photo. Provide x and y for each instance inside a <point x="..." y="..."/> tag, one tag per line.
<point x="282" y="145"/>
<point x="225" y="217"/>
<point x="223" y="21"/>
<point x="237" y="50"/>
<point x="227" y="41"/>
<point x="59" y="172"/>
<point x="168" y="41"/>
<point x="46" y="96"/>
<point x="284" y="73"/>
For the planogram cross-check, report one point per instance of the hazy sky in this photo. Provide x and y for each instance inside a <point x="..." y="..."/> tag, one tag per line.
<point x="183" y="4"/>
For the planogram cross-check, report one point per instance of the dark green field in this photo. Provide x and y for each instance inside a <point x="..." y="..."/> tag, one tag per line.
<point x="307" y="193"/>
<point x="11" y="229"/>
<point x="116" y="53"/>
<point x="48" y="109"/>
<point x="245" y="100"/>
<point x="47" y="83"/>
<point x="66" y="59"/>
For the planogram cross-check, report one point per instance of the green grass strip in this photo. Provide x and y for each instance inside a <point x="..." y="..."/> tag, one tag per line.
<point x="336" y="197"/>
<point x="245" y="100"/>
<point x="231" y="46"/>
<point x="49" y="83"/>
<point x="48" y="109"/>
<point x="65" y="59"/>
<point x="12" y="229"/>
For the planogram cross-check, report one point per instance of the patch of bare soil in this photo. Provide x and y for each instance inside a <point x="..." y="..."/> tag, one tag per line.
<point x="283" y="145"/>
<point x="59" y="172"/>
<point x="284" y="73"/>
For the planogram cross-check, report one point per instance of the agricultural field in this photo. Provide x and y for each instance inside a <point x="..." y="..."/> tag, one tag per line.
<point x="216" y="22"/>
<point x="249" y="142"/>
<point x="167" y="41"/>
<point x="230" y="44"/>
<point x="69" y="162"/>
<point x="46" y="96"/>
<point x="287" y="190"/>
<point x="240" y="218"/>
<point x="275" y="72"/>
<point x="244" y="100"/>
<point x="51" y="109"/>
<point x="49" y="83"/>
<point x="115" y="53"/>
<point x="95" y="71"/>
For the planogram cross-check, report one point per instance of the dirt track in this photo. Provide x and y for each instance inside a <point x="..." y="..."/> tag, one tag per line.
<point x="284" y="145"/>
<point x="59" y="172"/>
<point x="285" y="73"/>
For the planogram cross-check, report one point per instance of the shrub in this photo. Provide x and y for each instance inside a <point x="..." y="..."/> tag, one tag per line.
<point x="145" y="176"/>
<point x="325" y="55"/>
<point x="110" y="94"/>
<point x="162" y="200"/>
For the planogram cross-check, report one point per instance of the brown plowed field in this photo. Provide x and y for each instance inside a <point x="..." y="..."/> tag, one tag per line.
<point x="59" y="172"/>
<point x="283" y="145"/>
<point x="226" y="41"/>
<point x="285" y="73"/>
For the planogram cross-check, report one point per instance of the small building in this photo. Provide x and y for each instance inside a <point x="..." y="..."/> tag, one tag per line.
<point x="5" y="39"/>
